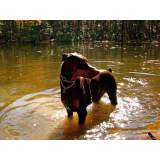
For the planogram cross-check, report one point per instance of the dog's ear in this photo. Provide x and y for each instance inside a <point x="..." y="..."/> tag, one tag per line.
<point x="64" y="56"/>
<point x="110" y="70"/>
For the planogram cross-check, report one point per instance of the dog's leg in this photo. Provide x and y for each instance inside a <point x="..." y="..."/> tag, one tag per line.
<point x="82" y="113"/>
<point x="70" y="113"/>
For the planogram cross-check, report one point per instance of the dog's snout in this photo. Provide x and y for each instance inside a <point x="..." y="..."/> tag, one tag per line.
<point x="114" y="103"/>
<point x="113" y="98"/>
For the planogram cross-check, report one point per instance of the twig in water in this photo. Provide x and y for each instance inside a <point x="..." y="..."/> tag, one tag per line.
<point x="151" y="136"/>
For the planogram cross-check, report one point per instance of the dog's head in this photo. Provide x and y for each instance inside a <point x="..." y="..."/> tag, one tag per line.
<point x="75" y="65"/>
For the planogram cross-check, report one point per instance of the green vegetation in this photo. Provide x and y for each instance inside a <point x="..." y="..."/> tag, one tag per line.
<point x="118" y="31"/>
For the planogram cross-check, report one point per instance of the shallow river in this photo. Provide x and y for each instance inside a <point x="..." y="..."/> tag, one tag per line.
<point x="30" y="106"/>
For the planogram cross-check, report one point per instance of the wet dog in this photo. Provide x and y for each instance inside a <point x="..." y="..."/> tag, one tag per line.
<point x="81" y="84"/>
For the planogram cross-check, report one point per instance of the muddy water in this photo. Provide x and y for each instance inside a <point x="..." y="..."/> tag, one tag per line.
<point x="30" y="106"/>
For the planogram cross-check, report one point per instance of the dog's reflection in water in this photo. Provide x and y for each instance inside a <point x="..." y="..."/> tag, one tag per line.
<point x="69" y="128"/>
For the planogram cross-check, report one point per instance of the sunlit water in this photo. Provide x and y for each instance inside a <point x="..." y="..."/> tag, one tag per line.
<point x="30" y="106"/>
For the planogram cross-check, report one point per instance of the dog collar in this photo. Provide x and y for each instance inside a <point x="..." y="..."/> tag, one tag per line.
<point x="63" y="80"/>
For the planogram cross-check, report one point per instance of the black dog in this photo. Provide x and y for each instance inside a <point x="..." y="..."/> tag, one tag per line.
<point x="82" y="84"/>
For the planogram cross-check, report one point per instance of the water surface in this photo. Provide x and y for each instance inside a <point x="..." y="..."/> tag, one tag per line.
<point x="30" y="106"/>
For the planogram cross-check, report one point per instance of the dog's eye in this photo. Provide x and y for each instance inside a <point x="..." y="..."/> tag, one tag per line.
<point x="82" y="65"/>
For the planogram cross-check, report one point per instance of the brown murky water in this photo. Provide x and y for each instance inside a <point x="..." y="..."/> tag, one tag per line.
<point x="30" y="106"/>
